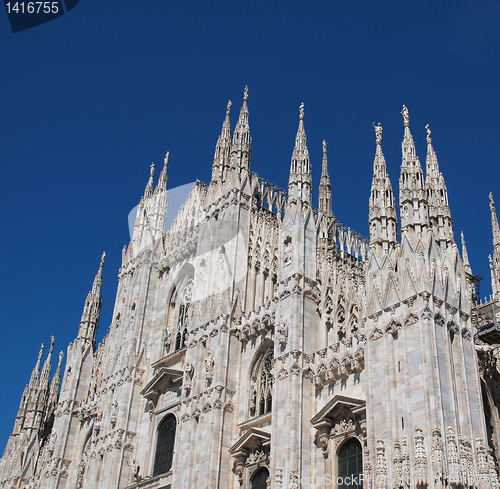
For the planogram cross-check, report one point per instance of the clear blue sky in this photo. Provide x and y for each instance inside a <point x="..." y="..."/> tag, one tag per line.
<point x="90" y="99"/>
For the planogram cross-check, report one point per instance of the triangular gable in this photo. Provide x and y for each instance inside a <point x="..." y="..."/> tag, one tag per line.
<point x="252" y="438"/>
<point x="160" y="381"/>
<point x="337" y="406"/>
<point x="409" y="289"/>
<point x="392" y="294"/>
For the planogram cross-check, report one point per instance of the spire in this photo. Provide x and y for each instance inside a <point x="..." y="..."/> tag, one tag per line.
<point x="465" y="256"/>
<point x="325" y="188"/>
<point x="162" y="181"/>
<point x="300" y="181"/>
<point x="44" y="379"/>
<point x="35" y="374"/>
<point x="437" y="195"/>
<point x="92" y="309"/>
<point x="96" y="286"/>
<point x="412" y="196"/>
<point x="495" y="263"/>
<point x="54" y="385"/>
<point x="494" y="290"/>
<point x="222" y="148"/>
<point x="150" y="186"/>
<point x="494" y="224"/>
<point x="241" y="151"/>
<point x="382" y="217"/>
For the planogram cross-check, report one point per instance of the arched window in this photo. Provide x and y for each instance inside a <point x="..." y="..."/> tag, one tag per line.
<point x="265" y="385"/>
<point x="186" y="297"/>
<point x="165" y="445"/>
<point x="350" y="465"/>
<point x="259" y="480"/>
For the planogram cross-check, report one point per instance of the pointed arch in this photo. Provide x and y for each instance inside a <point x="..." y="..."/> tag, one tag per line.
<point x="262" y="380"/>
<point x="165" y="442"/>
<point x="259" y="478"/>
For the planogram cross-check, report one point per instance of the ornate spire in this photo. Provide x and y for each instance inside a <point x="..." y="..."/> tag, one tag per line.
<point x="494" y="223"/>
<point x="495" y="263"/>
<point x="35" y="374"/>
<point x="44" y="379"/>
<point x="150" y="186"/>
<point x="439" y="209"/>
<point x="382" y="217"/>
<point x="54" y="385"/>
<point x="325" y="188"/>
<point x="222" y="148"/>
<point x="465" y="256"/>
<point x="412" y="195"/>
<point x="97" y="284"/>
<point x="92" y="309"/>
<point x="241" y="151"/>
<point x="162" y="181"/>
<point x="300" y="181"/>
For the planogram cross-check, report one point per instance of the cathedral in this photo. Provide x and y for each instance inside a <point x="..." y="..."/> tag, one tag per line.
<point x="260" y="343"/>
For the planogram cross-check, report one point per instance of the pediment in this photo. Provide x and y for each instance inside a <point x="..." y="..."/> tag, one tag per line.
<point x="338" y="406"/>
<point x="251" y="439"/>
<point x="160" y="381"/>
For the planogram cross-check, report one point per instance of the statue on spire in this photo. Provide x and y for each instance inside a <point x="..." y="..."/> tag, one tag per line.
<point x="245" y="94"/>
<point x="378" y="132"/>
<point x="324" y="146"/>
<point x="301" y="109"/>
<point x="406" y="116"/>
<point x="427" y="128"/>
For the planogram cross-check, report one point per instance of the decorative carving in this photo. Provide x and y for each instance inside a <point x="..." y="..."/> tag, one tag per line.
<point x="209" y="366"/>
<point x="294" y="480"/>
<point x="420" y="458"/>
<point x="381" y="469"/>
<point x="376" y="334"/>
<point x="278" y="478"/>
<point x="282" y="330"/>
<point x="295" y="369"/>
<point x="437" y="455"/>
<point x="283" y="374"/>
<point x="453" y="457"/>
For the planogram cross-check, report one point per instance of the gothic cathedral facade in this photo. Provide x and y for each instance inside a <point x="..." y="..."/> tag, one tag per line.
<point x="260" y="343"/>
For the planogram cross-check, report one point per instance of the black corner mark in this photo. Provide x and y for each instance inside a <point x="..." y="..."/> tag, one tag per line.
<point x="31" y="13"/>
<point x="70" y="4"/>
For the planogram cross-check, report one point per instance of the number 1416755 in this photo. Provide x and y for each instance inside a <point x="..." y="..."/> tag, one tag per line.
<point x="32" y="7"/>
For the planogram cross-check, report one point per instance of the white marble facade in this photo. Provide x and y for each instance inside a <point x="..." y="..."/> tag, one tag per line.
<point x="259" y="343"/>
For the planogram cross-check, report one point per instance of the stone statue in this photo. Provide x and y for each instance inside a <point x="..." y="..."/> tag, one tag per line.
<point x="406" y="116"/>
<point x="378" y="132"/>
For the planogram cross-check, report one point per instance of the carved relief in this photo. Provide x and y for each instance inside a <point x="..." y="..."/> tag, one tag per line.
<point x="381" y="468"/>
<point x="420" y="458"/>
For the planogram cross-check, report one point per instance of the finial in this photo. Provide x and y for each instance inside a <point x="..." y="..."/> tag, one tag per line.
<point x="301" y="109"/>
<point x="492" y="202"/>
<point x="40" y="353"/>
<point x="152" y="170"/>
<point x="228" y="109"/>
<point x="165" y="158"/>
<point x="51" y="344"/>
<point x="378" y="132"/>
<point x="245" y="96"/>
<point x="61" y="356"/>
<point x="324" y="146"/>
<point x="103" y="256"/>
<point x="406" y="116"/>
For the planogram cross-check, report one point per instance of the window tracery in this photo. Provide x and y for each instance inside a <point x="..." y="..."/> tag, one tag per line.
<point x="165" y="445"/>
<point x="186" y="296"/>
<point x="261" y="399"/>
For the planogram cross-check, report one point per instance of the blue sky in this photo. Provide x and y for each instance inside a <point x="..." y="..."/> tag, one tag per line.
<point x="89" y="100"/>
